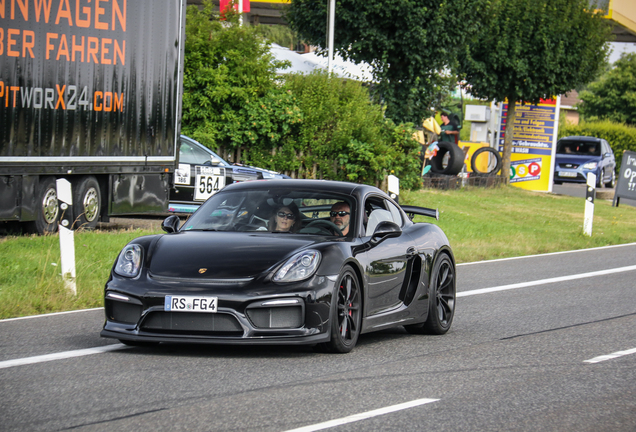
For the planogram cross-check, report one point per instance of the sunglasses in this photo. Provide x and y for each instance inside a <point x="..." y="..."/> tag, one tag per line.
<point x="284" y="215"/>
<point x="338" y="213"/>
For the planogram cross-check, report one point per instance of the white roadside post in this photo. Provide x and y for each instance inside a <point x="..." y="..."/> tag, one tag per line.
<point x="589" y="204"/>
<point x="393" y="188"/>
<point x="330" y="31"/>
<point x="67" y="239"/>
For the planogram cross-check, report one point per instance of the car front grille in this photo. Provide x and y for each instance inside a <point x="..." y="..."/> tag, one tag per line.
<point x="276" y="317"/>
<point x="218" y="324"/>
<point x="127" y="313"/>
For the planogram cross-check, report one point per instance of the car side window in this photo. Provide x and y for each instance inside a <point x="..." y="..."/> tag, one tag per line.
<point x="191" y="155"/>
<point x="379" y="210"/>
<point x="395" y="212"/>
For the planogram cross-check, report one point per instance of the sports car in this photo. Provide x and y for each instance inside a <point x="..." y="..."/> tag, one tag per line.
<point x="284" y="262"/>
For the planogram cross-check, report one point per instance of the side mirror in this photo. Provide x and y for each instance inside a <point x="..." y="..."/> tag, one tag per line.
<point x="386" y="229"/>
<point x="215" y="160"/>
<point x="171" y="224"/>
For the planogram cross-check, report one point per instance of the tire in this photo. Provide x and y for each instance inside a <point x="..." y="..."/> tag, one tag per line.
<point x="346" y="314"/>
<point x="612" y="182"/>
<point x="47" y="208"/>
<point x="442" y="296"/>
<point x="452" y="164"/>
<point x="87" y="203"/>
<point x="492" y="169"/>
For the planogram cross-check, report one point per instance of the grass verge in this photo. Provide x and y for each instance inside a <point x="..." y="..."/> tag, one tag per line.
<point x="481" y="224"/>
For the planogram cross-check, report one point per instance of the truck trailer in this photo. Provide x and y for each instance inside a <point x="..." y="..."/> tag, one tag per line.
<point x="90" y="91"/>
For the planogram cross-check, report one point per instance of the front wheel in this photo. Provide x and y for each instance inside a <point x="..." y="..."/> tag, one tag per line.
<point x="599" y="180"/>
<point x="612" y="181"/>
<point x="346" y="314"/>
<point x="441" y="306"/>
<point x="48" y="212"/>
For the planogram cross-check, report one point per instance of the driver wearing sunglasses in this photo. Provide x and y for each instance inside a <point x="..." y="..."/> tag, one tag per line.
<point x="340" y="215"/>
<point x="285" y="219"/>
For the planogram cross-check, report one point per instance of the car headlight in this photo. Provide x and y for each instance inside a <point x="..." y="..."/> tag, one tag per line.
<point x="129" y="261"/>
<point x="590" y="165"/>
<point x="298" y="267"/>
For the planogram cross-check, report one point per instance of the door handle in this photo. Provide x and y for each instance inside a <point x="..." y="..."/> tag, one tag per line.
<point x="411" y="252"/>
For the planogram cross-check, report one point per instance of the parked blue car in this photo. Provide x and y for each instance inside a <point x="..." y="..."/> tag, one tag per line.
<point x="202" y="173"/>
<point x="576" y="156"/>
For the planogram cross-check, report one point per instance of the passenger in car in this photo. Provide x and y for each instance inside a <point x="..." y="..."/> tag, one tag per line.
<point x="340" y="215"/>
<point x="285" y="219"/>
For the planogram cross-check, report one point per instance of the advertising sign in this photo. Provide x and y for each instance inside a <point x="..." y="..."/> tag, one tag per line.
<point x="626" y="185"/>
<point x="533" y="144"/>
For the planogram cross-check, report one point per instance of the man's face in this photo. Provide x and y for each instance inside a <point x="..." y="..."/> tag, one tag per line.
<point x="341" y="220"/>
<point x="445" y="119"/>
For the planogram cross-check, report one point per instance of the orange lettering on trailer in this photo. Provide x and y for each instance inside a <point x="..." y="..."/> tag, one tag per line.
<point x="63" y="49"/>
<point x="105" y="50"/>
<point x="117" y="13"/>
<point x="64" y="13"/>
<point x="28" y="45"/>
<point x="49" y="46"/>
<point x="60" y="96"/>
<point x="119" y="52"/>
<point x="93" y="47"/>
<point x="99" y="11"/>
<point x="11" y="42"/>
<point x="118" y="103"/>
<point x="38" y="9"/>
<point x="95" y="106"/>
<point x="24" y="8"/>
<point x="87" y="12"/>
<point x="77" y="48"/>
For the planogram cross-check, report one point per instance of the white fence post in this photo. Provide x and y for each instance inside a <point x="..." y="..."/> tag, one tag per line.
<point x="67" y="239"/>
<point x="589" y="204"/>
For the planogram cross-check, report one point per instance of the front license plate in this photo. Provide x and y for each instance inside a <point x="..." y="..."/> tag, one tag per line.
<point x="566" y="174"/>
<point x="190" y="304"/>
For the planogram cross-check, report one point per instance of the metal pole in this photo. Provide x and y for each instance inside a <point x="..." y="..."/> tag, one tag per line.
<point x="330" y="29"/>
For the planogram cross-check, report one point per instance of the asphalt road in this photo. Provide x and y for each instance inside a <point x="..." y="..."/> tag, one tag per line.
<point x="579" y="190"/>
<point x="524" y="354"/>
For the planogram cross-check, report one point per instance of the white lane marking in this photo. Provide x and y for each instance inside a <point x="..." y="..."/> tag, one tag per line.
<point x="50" y="314"/>
<point x="546" y="281"/>
<point x="60" y="356"/>
<point x="363" y="416"/>
<point x="617" y="354"/>
<point x="546" y="254"/>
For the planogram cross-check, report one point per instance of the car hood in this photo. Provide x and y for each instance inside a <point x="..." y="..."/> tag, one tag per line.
<point x="223" y="255"/>
<point x="576" y="159"/>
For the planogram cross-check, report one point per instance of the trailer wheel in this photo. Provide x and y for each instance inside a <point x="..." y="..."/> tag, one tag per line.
<point x="48" y="211"/>
<point x="87" y="202"/>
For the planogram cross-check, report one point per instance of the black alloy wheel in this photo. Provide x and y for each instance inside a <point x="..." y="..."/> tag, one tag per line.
<point x="441" y="307"/>
<point x="346" y="314"/>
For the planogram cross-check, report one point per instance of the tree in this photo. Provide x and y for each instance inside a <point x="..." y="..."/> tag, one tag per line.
<point x="613" y="96"/>
<point x="232" y="99"/>
<point x="410" y="44"/>
<point x="533" y="49"/>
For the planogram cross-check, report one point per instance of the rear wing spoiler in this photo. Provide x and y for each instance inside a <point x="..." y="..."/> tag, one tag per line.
<point x="411" y="211"/>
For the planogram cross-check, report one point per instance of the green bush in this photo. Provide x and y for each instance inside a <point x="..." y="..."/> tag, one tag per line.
<point x="307" y="126"/>
<point x="619" y="136"/>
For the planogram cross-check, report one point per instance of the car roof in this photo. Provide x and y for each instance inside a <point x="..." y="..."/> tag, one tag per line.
<point x="298" y="184"/>
<point x="580" y="138"/>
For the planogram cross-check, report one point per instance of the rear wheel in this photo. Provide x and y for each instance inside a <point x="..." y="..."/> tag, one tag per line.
<point x="612" y="182"/>
<point x="48" y="211"/>
<point x="86" y="202"/>
<point x="346" y="314"/>
<point x="441" y="306"/>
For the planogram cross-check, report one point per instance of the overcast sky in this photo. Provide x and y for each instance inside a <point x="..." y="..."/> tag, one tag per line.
<point x="620" y="47"/>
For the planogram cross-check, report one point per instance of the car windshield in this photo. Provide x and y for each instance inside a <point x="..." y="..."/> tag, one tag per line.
<point x="276" y="210"/>
<point x="579" y="148"/>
